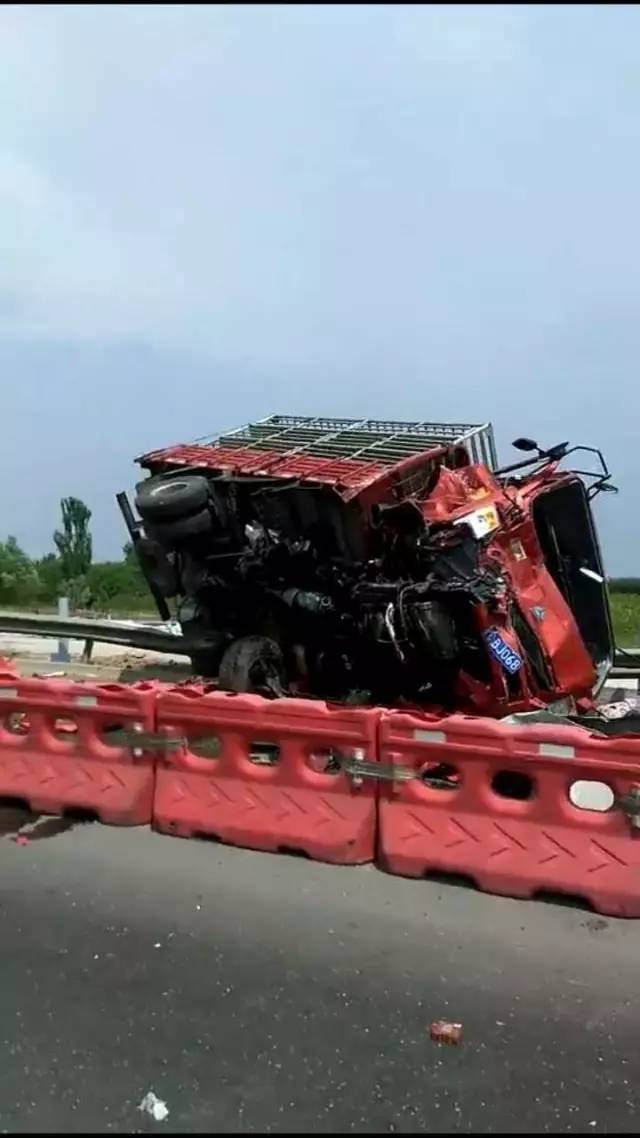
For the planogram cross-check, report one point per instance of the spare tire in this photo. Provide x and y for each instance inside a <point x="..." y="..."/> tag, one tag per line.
<point x="179" y="531"/>
<point x="163" y="499"/>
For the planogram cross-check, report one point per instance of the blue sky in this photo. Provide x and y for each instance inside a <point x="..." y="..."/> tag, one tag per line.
<point x="211" y="214"/>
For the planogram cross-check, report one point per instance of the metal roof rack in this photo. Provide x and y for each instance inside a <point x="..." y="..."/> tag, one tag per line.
<point x="364" y="440"/>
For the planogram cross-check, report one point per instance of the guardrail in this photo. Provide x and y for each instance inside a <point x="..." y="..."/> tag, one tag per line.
<point x="627" y="655"/>
<point x="626" y="664"/>
<point x="147" y="638"/>
<point x="105" y="632"/>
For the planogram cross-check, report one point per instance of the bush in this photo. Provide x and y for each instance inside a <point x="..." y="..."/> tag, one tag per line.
<point x="625" y="585"/>
<point x="108" y="586"/>
<point x="109" y="580"/>
<point x="19" y="580"/>
<point x="625" y="613"/>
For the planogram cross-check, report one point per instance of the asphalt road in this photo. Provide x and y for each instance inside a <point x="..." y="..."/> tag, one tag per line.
<point x="260" y="993"/>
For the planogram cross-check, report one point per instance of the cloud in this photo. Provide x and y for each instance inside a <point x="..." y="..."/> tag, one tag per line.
<point x="170" y="169"/>
<point x="314" y="180"/>
<point x="395" y="210"/>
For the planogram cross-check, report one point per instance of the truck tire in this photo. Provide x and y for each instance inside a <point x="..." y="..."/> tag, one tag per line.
<point x="166" y="499"/>
<point x="181" y="530"/>
<point x="253" y="664"/>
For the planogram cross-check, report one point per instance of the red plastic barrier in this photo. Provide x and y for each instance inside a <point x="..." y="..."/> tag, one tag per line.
<point x="520" y="810"/>
<point x="62" y="747"/>
<point x="263" y="774"/>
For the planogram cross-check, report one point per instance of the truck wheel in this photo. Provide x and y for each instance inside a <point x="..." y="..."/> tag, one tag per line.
<point x="181" y="529"/>
<point x="253" y="664"/>
<point x="163" y="499"/>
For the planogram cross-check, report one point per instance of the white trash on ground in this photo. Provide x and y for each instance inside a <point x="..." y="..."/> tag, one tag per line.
<point x="154" y="1106"/>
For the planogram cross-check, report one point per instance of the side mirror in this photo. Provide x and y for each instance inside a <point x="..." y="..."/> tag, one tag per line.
<point x="525" y="444"/>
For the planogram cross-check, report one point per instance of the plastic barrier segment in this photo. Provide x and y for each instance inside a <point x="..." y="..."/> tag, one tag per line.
<point x="268" y="774"/>
<point x="519" y="810"/>
<point x="72" y="747"/>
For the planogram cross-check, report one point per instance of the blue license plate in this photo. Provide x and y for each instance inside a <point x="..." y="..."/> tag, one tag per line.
<point x="500" y="650"/>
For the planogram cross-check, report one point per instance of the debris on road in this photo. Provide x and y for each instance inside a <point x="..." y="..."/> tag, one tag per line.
<point x="621" y="709"/>
<point x="154" y="1106"/>
<point x="21" y="839"/>
<point x="443" y="1032"/>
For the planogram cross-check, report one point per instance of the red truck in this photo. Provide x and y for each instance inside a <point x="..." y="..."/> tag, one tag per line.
<point x="385" y="562"/>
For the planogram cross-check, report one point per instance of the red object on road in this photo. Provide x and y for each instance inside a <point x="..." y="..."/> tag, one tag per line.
<point x="266" y="774"/>
<point x="443" y="1032"/>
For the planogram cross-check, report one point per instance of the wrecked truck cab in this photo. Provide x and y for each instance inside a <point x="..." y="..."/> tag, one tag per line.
<point x="379" y="562"/>
<point x="558" y="503"/>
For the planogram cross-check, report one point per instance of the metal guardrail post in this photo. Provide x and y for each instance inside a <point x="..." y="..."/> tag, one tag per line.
<point x="62" y="656"/>
<point x="87" y="652"/>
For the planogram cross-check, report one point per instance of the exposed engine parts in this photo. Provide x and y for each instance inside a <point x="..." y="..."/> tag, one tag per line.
<point x="398" y="623"/>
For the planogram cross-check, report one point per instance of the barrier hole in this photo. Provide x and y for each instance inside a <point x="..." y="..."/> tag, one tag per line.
<point x="204" y="836"/>
<point x="9" y="803"/>
<point x="513" y="784"/>
<point x="14" y="814"/>
<point x="324" y="762"/>
<point x="65" y="729"/>
<point x="293" y="851"/>
<point x="80" y="814"/>
<point x="16" y="723"/>
<point x="264" y="754"/>
<point x="206" y="746"/>
<point x="114" y="735"/>
<point x="587" y="795"/>
<point x="50" y="827"/>
<point x="441" y="776"/>
<point x="442" y="877"/>
<point x="565" y="900"/>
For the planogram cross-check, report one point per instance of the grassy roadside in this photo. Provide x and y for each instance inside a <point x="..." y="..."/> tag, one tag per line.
<point x="625" y="610"/>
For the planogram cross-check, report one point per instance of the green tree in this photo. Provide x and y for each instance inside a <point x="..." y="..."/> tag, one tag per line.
<point x="75" y="547"/>
<point x="49" y="570"/>
<point x="119" y="584"/>
<point x="19" y="581"/>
